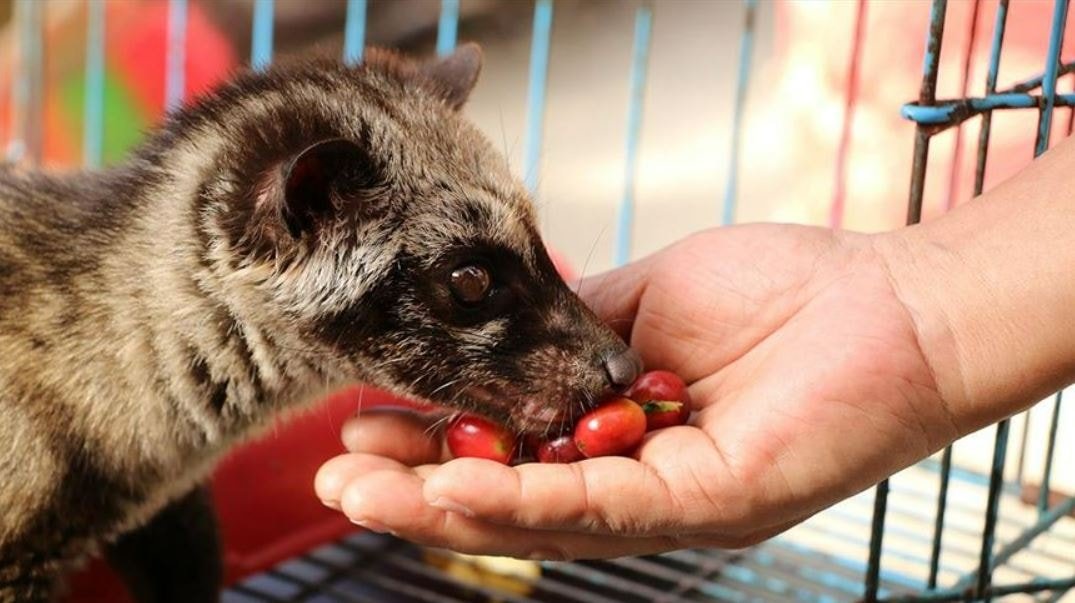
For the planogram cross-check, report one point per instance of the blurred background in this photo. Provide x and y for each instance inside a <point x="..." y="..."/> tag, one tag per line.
<point x="808" y="85"/>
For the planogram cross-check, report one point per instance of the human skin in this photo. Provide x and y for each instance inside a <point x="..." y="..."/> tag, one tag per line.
<point x="819" y="363"/>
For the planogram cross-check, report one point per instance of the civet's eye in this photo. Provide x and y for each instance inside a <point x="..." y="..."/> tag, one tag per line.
<point x="470" y="284"/>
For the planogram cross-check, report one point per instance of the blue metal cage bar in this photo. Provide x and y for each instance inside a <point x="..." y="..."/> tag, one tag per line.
<point x="990" y="88"/>
<point x="28" y="88"/>
<point x="261" y="37"/>
<point x="938" y="522"/>
<point x="639" y="63"/>
<point x="926" y="96"/>
<point x="93" y="115"/>
<point x="932" y="117"/>
<point x="1050" y="450"/>
<point x="176" y="57"/>
<point x="447" y="27"/>
<point x="742" y="84"/>
<point x="354" y="32"/>
<point x="535" y="97"/>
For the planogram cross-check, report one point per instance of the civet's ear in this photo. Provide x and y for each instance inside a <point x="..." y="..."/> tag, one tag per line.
<point x="454" y="76"/>
<point x="317" y="179"/>
<point x="303" y="195"/>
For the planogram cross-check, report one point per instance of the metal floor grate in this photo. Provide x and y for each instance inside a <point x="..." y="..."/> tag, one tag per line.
<point x="822" y="560"/>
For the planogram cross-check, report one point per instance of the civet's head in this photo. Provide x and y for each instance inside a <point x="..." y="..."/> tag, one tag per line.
<point x="364" y="225"/>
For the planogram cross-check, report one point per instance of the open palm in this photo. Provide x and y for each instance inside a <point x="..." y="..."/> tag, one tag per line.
<point x="809" y="385"/>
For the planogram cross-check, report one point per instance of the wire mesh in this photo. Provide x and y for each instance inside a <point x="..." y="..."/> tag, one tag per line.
<point x="368" y="566"/>
<point x="933" y="117"/>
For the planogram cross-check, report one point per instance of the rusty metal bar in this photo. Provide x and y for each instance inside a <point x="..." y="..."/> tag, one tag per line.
<point x="938" y="525"/>
<point x="990" y="87"/>
<point x="996" y="481"/>
<point x="1049" y="77"/>
<point x="1034" y="586"/>
<point x="927" y="94"/>
<point x="1043" y="494"/>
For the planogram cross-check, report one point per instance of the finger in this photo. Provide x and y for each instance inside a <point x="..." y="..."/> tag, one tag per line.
<point x="614" y="296"/>
<point x="391" y="501"/>
<point x="338" y="472"/>
<point x="681" y="484"/>
<point x="405" y="436"/>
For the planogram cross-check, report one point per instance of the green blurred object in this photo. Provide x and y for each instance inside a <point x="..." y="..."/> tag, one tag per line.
<point x="124" y="122"/>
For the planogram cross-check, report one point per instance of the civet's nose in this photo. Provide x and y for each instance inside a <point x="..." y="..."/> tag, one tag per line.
<point x="623" y="367"/>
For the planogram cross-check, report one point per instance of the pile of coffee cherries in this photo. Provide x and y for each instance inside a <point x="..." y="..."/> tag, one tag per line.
<point x="656" y="400"/>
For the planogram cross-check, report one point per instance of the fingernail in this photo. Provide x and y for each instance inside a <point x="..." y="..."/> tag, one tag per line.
<point x="447" y="504"/>
<point x="331" y="504"/>
<point x="373" y="526"/>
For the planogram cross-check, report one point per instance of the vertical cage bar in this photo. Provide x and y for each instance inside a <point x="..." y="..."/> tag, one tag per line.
<point x="1048" y="81"/>
<point x="261" y="40"/>
<point x="1021" y="465"/>
<point x="175" y="83"/>
<point x="983" y="146"/>
<point x="535" y="98"/>
<point x="354" y="32"/>
<point x="746" y="49"/>
<point x="28" y="89"/>
<point x="999" y="25"/>
<point x="93" y="109"/>
<point x="996" y="482"/>
<point x="35" y="130"/>
<point x="1048" y="91"/>
<point x="836" y="212"/>
<point x="938" y="525"/>
<point x="1050" y="449"/>
<point x="1071" y="121"/>
<point x="957" y="152"/>
<point x="447" y="27"/>
<point x="19" y="85"/>
<point x="15" y="96"/>
<point x="1013" y="546"/>
<point x="19" y="88"/>
<point x="926" y="96"/>
<point x="6" y="107"/>
<point x="877" y="531"/>
<point x="639" y="64"/>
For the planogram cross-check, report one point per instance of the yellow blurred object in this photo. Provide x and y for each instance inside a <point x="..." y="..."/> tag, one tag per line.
<point x="514" y="576"/>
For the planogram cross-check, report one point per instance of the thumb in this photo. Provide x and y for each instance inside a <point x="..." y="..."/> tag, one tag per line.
<point x="614" y="295"/>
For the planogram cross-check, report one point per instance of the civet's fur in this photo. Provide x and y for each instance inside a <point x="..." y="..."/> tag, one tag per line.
<point x="153" y="314"/>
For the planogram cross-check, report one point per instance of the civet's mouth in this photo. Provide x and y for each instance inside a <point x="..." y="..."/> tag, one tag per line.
<point x="527" y="414"/>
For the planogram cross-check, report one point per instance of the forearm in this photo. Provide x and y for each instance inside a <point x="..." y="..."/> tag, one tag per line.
<point x="991" y="288"/>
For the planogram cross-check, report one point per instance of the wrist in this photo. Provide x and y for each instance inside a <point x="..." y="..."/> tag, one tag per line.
<point x="917" y="279"/>
<point x="991" y="290"/>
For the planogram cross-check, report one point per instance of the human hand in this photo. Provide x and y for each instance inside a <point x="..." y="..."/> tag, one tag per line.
<point x="808" y="381"/>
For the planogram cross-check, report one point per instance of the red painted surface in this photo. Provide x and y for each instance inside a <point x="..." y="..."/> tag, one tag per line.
<point x="264" y="496"/>
<point x="136" y="43"/>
